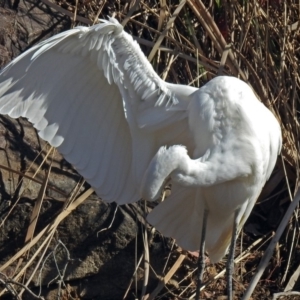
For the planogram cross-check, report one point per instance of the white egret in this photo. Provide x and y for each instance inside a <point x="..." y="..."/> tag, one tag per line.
<point x="91" y="93"/>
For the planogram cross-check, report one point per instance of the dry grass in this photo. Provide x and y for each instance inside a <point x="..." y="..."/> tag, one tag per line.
<point x="189" y="43"/>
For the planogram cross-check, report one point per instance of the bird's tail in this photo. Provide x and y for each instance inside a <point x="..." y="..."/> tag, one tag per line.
<point x="181" y="215"/>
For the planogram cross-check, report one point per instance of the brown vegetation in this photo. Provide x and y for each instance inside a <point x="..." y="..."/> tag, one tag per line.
<point x="189" y="43"/>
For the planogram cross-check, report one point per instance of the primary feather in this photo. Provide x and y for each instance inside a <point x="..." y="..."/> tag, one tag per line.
<point x="92" y="93"/>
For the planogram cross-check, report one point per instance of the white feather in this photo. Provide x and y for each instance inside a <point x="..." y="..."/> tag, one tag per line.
<point x="93" y="94"/>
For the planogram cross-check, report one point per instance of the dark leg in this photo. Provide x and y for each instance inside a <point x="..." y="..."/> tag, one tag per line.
<point x="230" y="261"/>
<point x="201" y="258"/>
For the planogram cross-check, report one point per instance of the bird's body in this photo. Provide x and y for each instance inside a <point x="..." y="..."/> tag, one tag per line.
<point x="91" y="93"/>
<point x="235" y="153"/>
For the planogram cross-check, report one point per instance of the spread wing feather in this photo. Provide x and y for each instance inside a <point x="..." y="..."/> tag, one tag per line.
<point x="96" y="78"/>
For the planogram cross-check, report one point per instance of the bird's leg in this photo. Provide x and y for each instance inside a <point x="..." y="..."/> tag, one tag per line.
<point x="230" y="261"/>
<point x="201" y="258"/>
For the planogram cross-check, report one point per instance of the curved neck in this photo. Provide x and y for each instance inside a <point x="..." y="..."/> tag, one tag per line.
<point x="166" y="161"/>
<point x="175" y="162"/>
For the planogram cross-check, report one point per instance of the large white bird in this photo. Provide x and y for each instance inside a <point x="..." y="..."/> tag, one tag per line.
<point x="91" y="93"/>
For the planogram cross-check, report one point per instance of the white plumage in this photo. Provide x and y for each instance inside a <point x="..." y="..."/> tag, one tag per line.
<point x="91" y="93"/>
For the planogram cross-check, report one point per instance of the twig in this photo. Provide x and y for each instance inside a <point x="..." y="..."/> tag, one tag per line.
<point x="169" y="275"/>
<point x="49" y="227"/>
<point x="164" y="33"/>
<point x="67" y="13"/>
<point x="7" y="283"/>
<point x="241" y="257"/>
<point x="264" y="261"/>
<point x="60" y="275"/>
<point x="293" y="280"/>
<point x="133" y="276"/>
<point x="291" y="293"/>
<point x="112" y="221"/>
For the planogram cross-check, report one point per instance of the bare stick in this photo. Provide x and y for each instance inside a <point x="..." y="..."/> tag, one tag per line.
<point x="291" y="293"/>
<point x="7" y="282"/>
<point x="264" y="261"/>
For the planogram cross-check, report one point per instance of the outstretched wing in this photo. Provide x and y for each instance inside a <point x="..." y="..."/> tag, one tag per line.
<point x="91" y="93"/>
